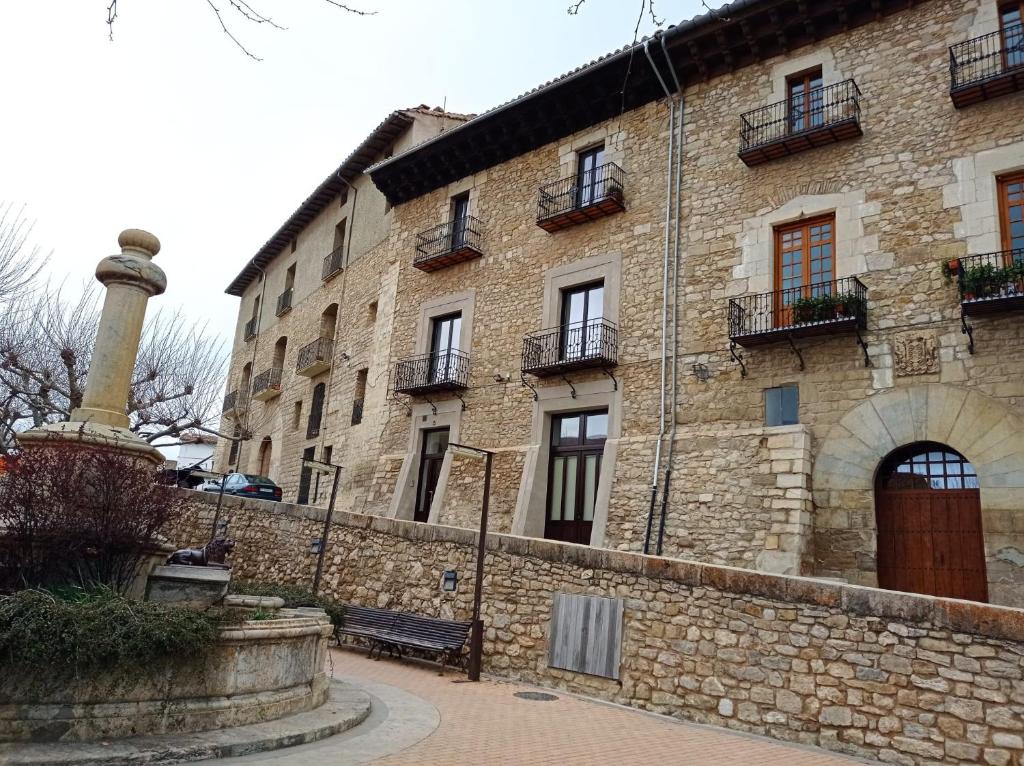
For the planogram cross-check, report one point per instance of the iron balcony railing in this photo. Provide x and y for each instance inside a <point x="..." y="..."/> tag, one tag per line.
<point x="333" y="263"/>
<point x="284" y="302"/>
<point x="234" y="401"/>
<point x="357" y="411"/>
<point x="319" y="351"/>
<point x="268" y="380"/>
<point x="987" y="57"/>
<point x="581" y="190"/>
<point x="452" y="237"/>
<point x="594" y="343"/>
<point x="250" y="328"/>
<point x="436" y="371"/>
<point x="990" y="279"/>
<point x="807" y="310"/>
<point x="819" y="109"/>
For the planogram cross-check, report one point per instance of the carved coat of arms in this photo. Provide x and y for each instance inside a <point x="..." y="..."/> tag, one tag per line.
<point x="915" y="353"/>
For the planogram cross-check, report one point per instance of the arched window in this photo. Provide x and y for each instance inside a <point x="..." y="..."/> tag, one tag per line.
<point x="316" y="411"/>
<point x="927" y="465"/>
<point x="266" y="449"/>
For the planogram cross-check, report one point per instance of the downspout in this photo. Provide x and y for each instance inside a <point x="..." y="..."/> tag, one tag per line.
<point x="664" y="300"/>
<point x="675" y="293"/>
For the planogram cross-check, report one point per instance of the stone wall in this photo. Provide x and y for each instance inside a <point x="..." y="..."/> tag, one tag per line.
<point x="903" y="678"/>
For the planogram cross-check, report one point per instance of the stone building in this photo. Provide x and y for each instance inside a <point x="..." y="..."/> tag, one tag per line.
<point x="310" y="349"/>
<point x="744" y="293"/>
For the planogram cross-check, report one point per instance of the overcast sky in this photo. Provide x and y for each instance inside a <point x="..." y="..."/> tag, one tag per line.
<point x="170" y="128"/>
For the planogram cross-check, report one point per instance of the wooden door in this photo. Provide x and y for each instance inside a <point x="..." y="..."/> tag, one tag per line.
<point x="577" y="444"/>
<point x="804" y="265"/>
<point x="930" y="538"/>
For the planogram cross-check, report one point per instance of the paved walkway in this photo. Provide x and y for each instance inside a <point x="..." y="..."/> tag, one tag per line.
<point x="429" y="720"/>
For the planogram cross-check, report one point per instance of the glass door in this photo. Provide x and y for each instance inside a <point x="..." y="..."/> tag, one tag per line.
<point x="804" y="268"/>
<point x="582" y="322"/>
<point x="435" y="443"/>
<point x="443" y="342"/>
<point x="460" y="211"/>
<point x="577" y="444"/>
<point x="1011" y="27"/>
<point x="805" y="101"/>
<point x="589" y="181"/>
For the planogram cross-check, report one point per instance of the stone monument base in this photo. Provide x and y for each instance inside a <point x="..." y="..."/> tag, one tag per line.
<point x="192" y="586"/>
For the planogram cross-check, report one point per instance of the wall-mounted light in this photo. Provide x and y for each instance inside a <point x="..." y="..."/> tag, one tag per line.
<point x="450" y="581"/>
<point x="315" y="545"/>
<point x="702" y="372"/>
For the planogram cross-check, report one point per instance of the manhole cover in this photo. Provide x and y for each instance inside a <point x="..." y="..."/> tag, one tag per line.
<point x="538" y="696"/>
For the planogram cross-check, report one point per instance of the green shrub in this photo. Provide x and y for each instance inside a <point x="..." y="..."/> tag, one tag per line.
<point x="85" y="633"/>
<point x="293" y="595"/>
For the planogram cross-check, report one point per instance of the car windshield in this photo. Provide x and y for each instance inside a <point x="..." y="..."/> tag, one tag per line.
<point x="253" y="479"/>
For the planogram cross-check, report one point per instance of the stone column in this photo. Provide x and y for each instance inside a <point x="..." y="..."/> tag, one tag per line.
<point x="130" y="278"/>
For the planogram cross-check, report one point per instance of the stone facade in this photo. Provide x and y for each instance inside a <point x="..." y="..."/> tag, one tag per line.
<point x="914" y="191"/>
<point x="903" y="678"/>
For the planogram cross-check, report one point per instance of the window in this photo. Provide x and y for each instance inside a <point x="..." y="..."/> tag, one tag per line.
<point x="295" y="244"/>
<point x="305" y="476"/>
<point x="339" y="233"/>
<point x="804" y="263"/>
<point x="235" y="443"/>
<point x="1011" y="16"/>
<point x="371" y="312"/>
<point x="927" y="465"/>
<point x="444" y="347"/>
<point x="782" y="406"/>
<point x="1011" y="214"/>
<point x="582" y="321"/>
<point x="577" y="446"/>
<point x="358" y="396"/>
<point x="316" y="411"/>
<point x="343" y="197"/>
<point x="589" y="176"/>
<point x="459" y="213"/>
<point x="804" y="100"/>
<point x="435" y="443"/>
<point x="289" y="277"/>
<point x="297" y="416"/>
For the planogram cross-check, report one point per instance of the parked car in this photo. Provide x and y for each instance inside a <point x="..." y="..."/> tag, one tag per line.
<point x="251" y="485"/>
<point x="209" y="485"/>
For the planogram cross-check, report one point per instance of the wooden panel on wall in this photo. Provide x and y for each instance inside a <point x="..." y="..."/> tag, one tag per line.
<point x="586" y="634"/>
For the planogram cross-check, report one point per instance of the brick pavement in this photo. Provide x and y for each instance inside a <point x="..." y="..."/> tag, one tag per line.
<point x="485" y="724"/>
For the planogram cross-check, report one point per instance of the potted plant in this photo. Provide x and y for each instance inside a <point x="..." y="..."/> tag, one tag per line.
<point x="950" y="268"/>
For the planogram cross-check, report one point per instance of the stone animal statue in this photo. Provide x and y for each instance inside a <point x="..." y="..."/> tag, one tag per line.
<point x="210" y="555"/>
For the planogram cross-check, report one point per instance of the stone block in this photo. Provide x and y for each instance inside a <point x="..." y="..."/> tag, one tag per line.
<point x="192" y="586"/>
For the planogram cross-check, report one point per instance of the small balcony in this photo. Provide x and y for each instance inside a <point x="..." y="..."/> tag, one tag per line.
<point x="333" y="264"/>
<point x="315" y="357"/>
<point x="284" y="302"/>
<point x="992" y="283"/>
<point x="581" y="198"/>
<point x="267" y="384"/>
<point x="826" y="308"/>
<point x="829" y="115"/>
<point x="250" y="329"/>
<point x="438" y="371"/>
<point x="234" y="403"/>
<point x="576" y="346"/>
<point x="987" y="67"/>
<point x="448" y="244"/>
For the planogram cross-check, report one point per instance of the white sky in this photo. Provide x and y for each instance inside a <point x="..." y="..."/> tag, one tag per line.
<point x="171" y="128"/>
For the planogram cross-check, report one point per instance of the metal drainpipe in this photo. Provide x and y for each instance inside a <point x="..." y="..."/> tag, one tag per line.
<point x="349" y="226"/>
<point x="675" y="293"/>
<point x="665" y="294"/>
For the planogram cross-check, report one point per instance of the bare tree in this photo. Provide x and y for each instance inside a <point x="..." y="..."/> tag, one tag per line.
<point x="46" y="343"/>
<point x="19" y="264"/>
<point x="238" y="10"/>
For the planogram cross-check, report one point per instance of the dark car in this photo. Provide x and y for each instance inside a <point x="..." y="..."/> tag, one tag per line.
<point x="251" y="485"/>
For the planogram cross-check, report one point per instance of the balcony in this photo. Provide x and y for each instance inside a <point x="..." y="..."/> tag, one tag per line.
<point x="576" y="346"/>
<point x="987" y="67"/>
<point x="333" y="264"/>
<point x="581" y="198"/>
<point x="315" y="357"/>
<point x="448" y="244"/>
<point x="992" y="283"/>
<point x="438" y="371"/>
<point x="284" y="302"/>
<point x="267" y="384"/>
<point x="782" y="129"/>
<point x="250" y="329"/>
<point x="234" y="403"/>
<point x="826" y="308"/>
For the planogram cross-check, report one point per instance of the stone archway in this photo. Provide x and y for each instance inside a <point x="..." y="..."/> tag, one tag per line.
<point x="984" y="430"/>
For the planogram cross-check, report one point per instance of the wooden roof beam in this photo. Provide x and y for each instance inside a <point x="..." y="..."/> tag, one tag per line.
<point x="780" y="31"/>
<point x="725" y="49"/>
<point x="749" y="37"/>
<point x="698" y="60"/>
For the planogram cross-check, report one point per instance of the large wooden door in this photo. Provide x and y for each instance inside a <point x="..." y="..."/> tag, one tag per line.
<point x="928" y="512"/>
<point x="577" y="444"/>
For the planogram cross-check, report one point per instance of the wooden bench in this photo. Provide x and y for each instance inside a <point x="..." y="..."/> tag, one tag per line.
<point x="398" y="631"/>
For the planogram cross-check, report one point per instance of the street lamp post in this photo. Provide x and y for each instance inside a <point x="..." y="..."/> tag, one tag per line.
<point x="476" y="637"/>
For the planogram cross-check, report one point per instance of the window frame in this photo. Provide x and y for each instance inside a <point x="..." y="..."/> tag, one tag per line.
<point x="805" y="78"/>
<point x="1003" y="183"/>
<point x="782" y="405"/>
<point x="805" y="288"/>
